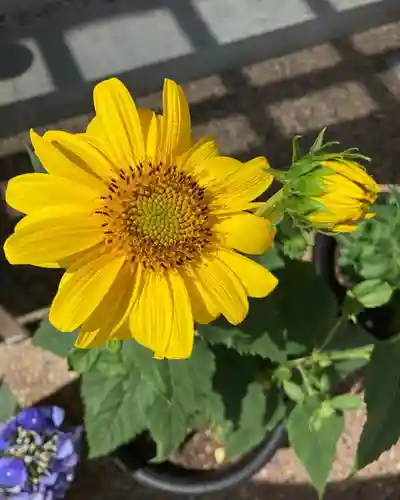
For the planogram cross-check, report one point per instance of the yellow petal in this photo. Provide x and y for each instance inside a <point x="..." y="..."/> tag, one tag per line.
<point x="181" y="335"/>
<point x="89" y="340"/>
<point x="192" y="161"/>
<point x="97" y="135"/>
<point x="52" y="234"/>
<point x="176" y="125"/>
<point x="225" y="288"/>
<point x="95" y="128"/>
<point x="123" y="333"/>
<point x="30" y="192"/>
<point x="203" y="306"/>
<point x="246" y="183"/>
<point x="78" y="148"/>
<point x="153" y="139"/>
<point x="80" y="293"/>
<point x="214" y="171"/>
<point x="257" y="280"/>
<point x="341" y="190"/>
<point x="145" y="117"/>
<point x="114" y="309"/>
<point x="120" y="120"/>
<point x="246" y="232"/>
<point x="353" y="172"/>
<point x="151" y="316"/>
<point x="344" y="228"/>
<point x="161" y="318"/>
<point x="56" y="163"/>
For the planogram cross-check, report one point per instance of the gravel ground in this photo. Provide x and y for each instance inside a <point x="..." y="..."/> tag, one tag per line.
<point x="348" y="85"/>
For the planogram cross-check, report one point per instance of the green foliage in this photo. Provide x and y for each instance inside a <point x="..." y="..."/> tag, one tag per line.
<point x="291" y="240"/>
<point x="382" y="396"/>
<point x="346" y="402"/>
<point x="49" y="338"/>
<point x="373" y="251"/>
<point x="293" y="391"/>
<point x="8" y="403"/>
<point x="314" y="431"/>
<point x="372" y="293"/>
<point x="261" y="412"/>
<point x="161" y="396"/>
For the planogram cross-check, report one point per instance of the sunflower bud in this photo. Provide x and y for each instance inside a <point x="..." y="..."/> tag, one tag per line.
<point x="329" y="191"/>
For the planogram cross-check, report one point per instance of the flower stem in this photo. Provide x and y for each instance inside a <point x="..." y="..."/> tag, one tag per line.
<point x="306" y="382"/>
<point x="332" y="332"/>
<point x="355" y="353"/>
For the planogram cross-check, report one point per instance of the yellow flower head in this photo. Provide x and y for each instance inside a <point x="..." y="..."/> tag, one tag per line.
<point x="347" y="195"/>
<point x="146" y="223"/>
<point x="332" y="195"/>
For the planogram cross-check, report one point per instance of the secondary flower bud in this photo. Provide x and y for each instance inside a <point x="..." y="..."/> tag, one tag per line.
<point x="332" y="195"/>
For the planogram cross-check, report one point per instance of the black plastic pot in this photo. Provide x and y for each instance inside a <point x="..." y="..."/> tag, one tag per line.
<point x="169" y="477"/>
<point x="377" y="321"/>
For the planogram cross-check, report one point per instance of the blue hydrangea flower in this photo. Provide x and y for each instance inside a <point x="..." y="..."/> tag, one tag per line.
<point x="37" y="456"/>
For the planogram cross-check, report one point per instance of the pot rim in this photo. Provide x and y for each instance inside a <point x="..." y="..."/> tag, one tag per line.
<point x="172" y="478"/>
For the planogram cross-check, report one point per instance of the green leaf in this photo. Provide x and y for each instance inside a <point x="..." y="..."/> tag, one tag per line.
<point x="116" y="409"/>
<point x="49" y="338"/>
<point x="319" y="141"/>
<point x="169" y="424"/>
<point x="315" y="446"/>
<point x="188" y="389"/>
<point x="111" y="365"/>
<point x="296" y="148"/>
<point x="251" y="425"/>
<point x="8" y="403"/>
<point x="261" y="412"/>
<point x="372" y="293"/>
<point x="233" y="375"/>
<point x="114" y="346"/>
<point x="83" y="360"/>
<point x="346" y="402"/>
<point x="35" y="162"/>
<point x="382" y="396"/>
<point x="293" y="391"/>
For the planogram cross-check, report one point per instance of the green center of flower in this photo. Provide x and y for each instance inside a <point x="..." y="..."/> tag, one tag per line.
<point x="159" y="215"/>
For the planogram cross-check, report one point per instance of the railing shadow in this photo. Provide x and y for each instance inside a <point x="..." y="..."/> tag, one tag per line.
<point x="72" y="93"/>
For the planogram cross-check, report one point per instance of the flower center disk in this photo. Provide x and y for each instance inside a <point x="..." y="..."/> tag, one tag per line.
<point x="158" y="215"/>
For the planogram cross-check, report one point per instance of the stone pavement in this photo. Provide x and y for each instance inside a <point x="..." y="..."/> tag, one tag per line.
<point x="52" y="51"/>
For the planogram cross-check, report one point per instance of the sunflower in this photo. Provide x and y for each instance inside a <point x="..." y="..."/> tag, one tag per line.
<point x="147" y="224"/>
